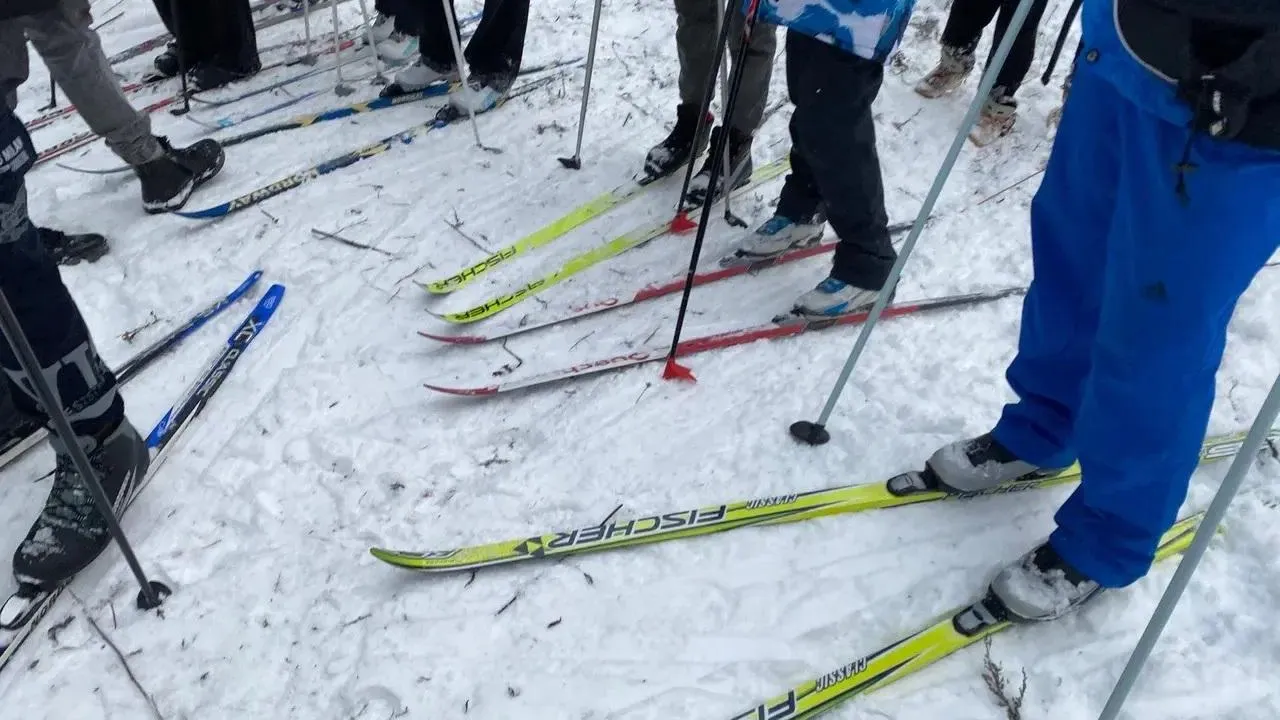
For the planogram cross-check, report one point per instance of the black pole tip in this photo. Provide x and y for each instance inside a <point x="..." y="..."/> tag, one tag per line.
<point x="161" y="591"/>
<point x="178" y="112"/>
<point x="809" y="433"/>
<point x="573" y="163"/>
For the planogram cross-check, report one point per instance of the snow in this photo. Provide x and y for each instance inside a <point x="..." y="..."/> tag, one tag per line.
<point x="323" y="441"/>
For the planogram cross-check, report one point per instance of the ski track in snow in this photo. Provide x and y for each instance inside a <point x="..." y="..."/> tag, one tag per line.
<point x="323" y="441"/>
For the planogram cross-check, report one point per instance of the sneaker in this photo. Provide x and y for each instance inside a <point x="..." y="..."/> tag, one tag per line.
<point x="168" y="181"/>
<point x="1042" y="586"/>
<point x="978" y="464"/>
<point x="998" y="117"/>
<point x="71" y="531"/>
<point x="71" y="249"/>
<point x="680" y="146"/>
<point x="833" y="297"/>
<point x="481" y="94"/>
<point x="953" y="67"/>
<point x="740" y="168"/>
<point x="776" y="236"/>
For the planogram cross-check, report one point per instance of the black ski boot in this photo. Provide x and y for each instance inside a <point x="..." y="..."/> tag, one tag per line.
<point x="740" y="167"/>
<point x="70" y="532"/>
<point x="71" y="249"/>
<point x="207" y="76"/>
<point x="167" y="62"/>
<point x="168" y="181"/>
<point x="680" y="146"/>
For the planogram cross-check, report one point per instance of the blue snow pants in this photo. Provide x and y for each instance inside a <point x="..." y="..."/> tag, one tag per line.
<point x="1124" y="324"/>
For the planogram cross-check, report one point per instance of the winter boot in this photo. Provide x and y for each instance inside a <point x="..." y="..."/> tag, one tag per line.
<point x="71" y="249"/>
<point x="167" y="63"/>
<point x="71" y="532"/>
<point x="832" y="298"/>
<point x="168" y="181"/>
<point x="999" y="114"/>
<point x="417" y="77"/>
<point x="1042" y="586"/>
<point x="207" y="76"/>
<point x="482" y="93"/>
<point x="776" y="236"/>
<point x="976" y="465"/>
<point x="953" y="67"/>
<point x="680" y="146"/>
<point x="740" y="168"/>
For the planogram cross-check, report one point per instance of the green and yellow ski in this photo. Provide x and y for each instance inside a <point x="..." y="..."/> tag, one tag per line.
<point x="613" y="248"/>
<point x="580" y="215"/>
<point x="955" y="631"/>
<point x="730" y="516"/>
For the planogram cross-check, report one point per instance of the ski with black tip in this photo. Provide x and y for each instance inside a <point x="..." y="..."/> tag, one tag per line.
<point x="20" y="614"/>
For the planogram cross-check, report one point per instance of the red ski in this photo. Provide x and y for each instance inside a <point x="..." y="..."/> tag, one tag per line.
<point x="781" y="327"/>
<point x="650" y="292"/>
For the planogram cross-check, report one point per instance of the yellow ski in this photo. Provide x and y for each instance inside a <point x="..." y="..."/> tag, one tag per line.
<point x="633" y="239"/>
<point x="721" y="518"/>
<point x="955" y="631"/>
<point x="580" y="215"/>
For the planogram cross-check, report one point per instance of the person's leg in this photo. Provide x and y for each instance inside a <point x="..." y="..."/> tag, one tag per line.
<point x="833" y="92"/>
<point x="73" y="53"/>
<point x="14" y="66"/>
<point x="232" y="43"/>
<point x="70" y="531"/>
<point x="960" y="36"/>
<point x="497" y="47"/>
<point x="1023" y="52"/>
<point x="435" y="43"/>
<point x="757" y="71"/>
<point x="1174" y="272"/>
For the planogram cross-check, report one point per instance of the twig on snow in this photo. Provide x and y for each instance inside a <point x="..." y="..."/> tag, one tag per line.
<point x="510" y="602"/>
<point x="999" y="686"/>
<point x="508" y="368"/>
<point x="129" y="335"/>
<point x="155" y="709"/>
<point x="1007" y="189"/>
<point x="456" y="224"/>
<point x="351" y="243"/>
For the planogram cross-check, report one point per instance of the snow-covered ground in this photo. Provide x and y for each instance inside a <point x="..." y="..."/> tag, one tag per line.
<point x="323" y="442"/>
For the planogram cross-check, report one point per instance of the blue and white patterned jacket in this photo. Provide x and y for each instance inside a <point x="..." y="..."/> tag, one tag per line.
<point x="870" y="29"/>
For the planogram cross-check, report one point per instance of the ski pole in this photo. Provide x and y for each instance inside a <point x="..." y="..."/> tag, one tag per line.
<point x="673" y="370"/>
<point x="575" y="162"/>
<point x="1191" y="559"/>
<point x="727" y="181"/>
<point x="378" y="77"/>
<point x="342" y="89"/>
<point x="308" y="58"/>
<point x="463" y="74"/>
<point x="151" y="594"/>
<point x="178" y="43"/>
<point x="815" y="432"/>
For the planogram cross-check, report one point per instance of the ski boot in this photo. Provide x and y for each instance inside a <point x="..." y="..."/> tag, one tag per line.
<point x="775" y="237"/>
<point x="679" y="147"/>
<point x="740" y="167"/>
<point x="976" y="466"/>
<point x="1042" y="586"/>
<point x="833" y="298"/>
<point x="416" y="77"/>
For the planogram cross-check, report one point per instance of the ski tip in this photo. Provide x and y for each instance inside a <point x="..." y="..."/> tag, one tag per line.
<point x="455" y="339"/>
<point x="464" y="392"/>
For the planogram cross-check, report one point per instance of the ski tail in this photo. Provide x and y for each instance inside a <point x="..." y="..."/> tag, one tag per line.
<point x="36" y="433"/>
<point x="955" y="631"/>
<point x="179" y="417"/>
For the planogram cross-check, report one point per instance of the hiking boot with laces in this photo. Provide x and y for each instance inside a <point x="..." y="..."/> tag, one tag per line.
<point x="953" y="67"/>
<point x="71" y="531"/>
<point x="71" y="249"/>
<point x="168" y="181"/>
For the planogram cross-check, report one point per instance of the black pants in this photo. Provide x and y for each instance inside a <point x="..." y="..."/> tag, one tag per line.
<point x="30" y="280"/>
<point x="215" y="32"/>
<point x="834" y="164"/>
<point x="497" y="47"/>
<point x="969" y="18"/>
